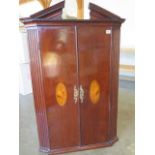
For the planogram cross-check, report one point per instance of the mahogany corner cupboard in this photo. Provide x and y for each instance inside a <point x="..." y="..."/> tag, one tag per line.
<point x="74" y="69"/>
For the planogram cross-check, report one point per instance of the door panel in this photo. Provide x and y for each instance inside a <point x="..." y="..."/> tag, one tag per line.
<point x="94" y="58"/>
<point x="59" y="64"/>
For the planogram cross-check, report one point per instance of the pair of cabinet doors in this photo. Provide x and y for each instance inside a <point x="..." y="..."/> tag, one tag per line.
<point x="75" y="63"/>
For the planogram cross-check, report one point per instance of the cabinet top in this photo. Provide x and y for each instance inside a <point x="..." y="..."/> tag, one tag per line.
<point x="53" y="15"/>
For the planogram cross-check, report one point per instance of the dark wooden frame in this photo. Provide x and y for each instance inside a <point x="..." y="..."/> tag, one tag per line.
<point x="52" y="17"/>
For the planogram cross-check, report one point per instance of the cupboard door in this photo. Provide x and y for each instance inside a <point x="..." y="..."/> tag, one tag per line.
<point x="59" y="65"/>
<point x="94" y="59"/>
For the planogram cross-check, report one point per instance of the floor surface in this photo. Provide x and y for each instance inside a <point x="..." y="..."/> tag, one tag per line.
<point x="126" y="126"/>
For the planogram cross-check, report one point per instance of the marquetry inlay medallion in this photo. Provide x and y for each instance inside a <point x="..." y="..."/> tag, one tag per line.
<point x="61" y="94"/>
<point x="94" y="91"/>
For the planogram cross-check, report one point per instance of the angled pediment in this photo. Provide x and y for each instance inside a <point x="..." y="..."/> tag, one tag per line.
<point x="98" y="13"/>
<point x="53" y="12"/>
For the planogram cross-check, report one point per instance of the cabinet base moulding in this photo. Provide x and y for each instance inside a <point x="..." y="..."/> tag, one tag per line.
<point x="80" y="148"/>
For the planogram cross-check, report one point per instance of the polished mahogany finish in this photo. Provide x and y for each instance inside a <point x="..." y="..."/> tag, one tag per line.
<point x="74" y="68"/>
<point x="94" y="59"/>
<point x="98" y="13"/>
<point x="59" y="65"/>
<point x="53" y="12"/>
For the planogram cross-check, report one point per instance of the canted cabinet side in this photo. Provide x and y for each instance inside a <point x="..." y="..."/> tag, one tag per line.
<point x="114" y="81"/>
<point x="38" y="90"/>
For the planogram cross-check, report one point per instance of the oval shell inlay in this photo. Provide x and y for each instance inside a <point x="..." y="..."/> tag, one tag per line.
<point x="61" y="94"/>
<point x="94" y="91"/>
